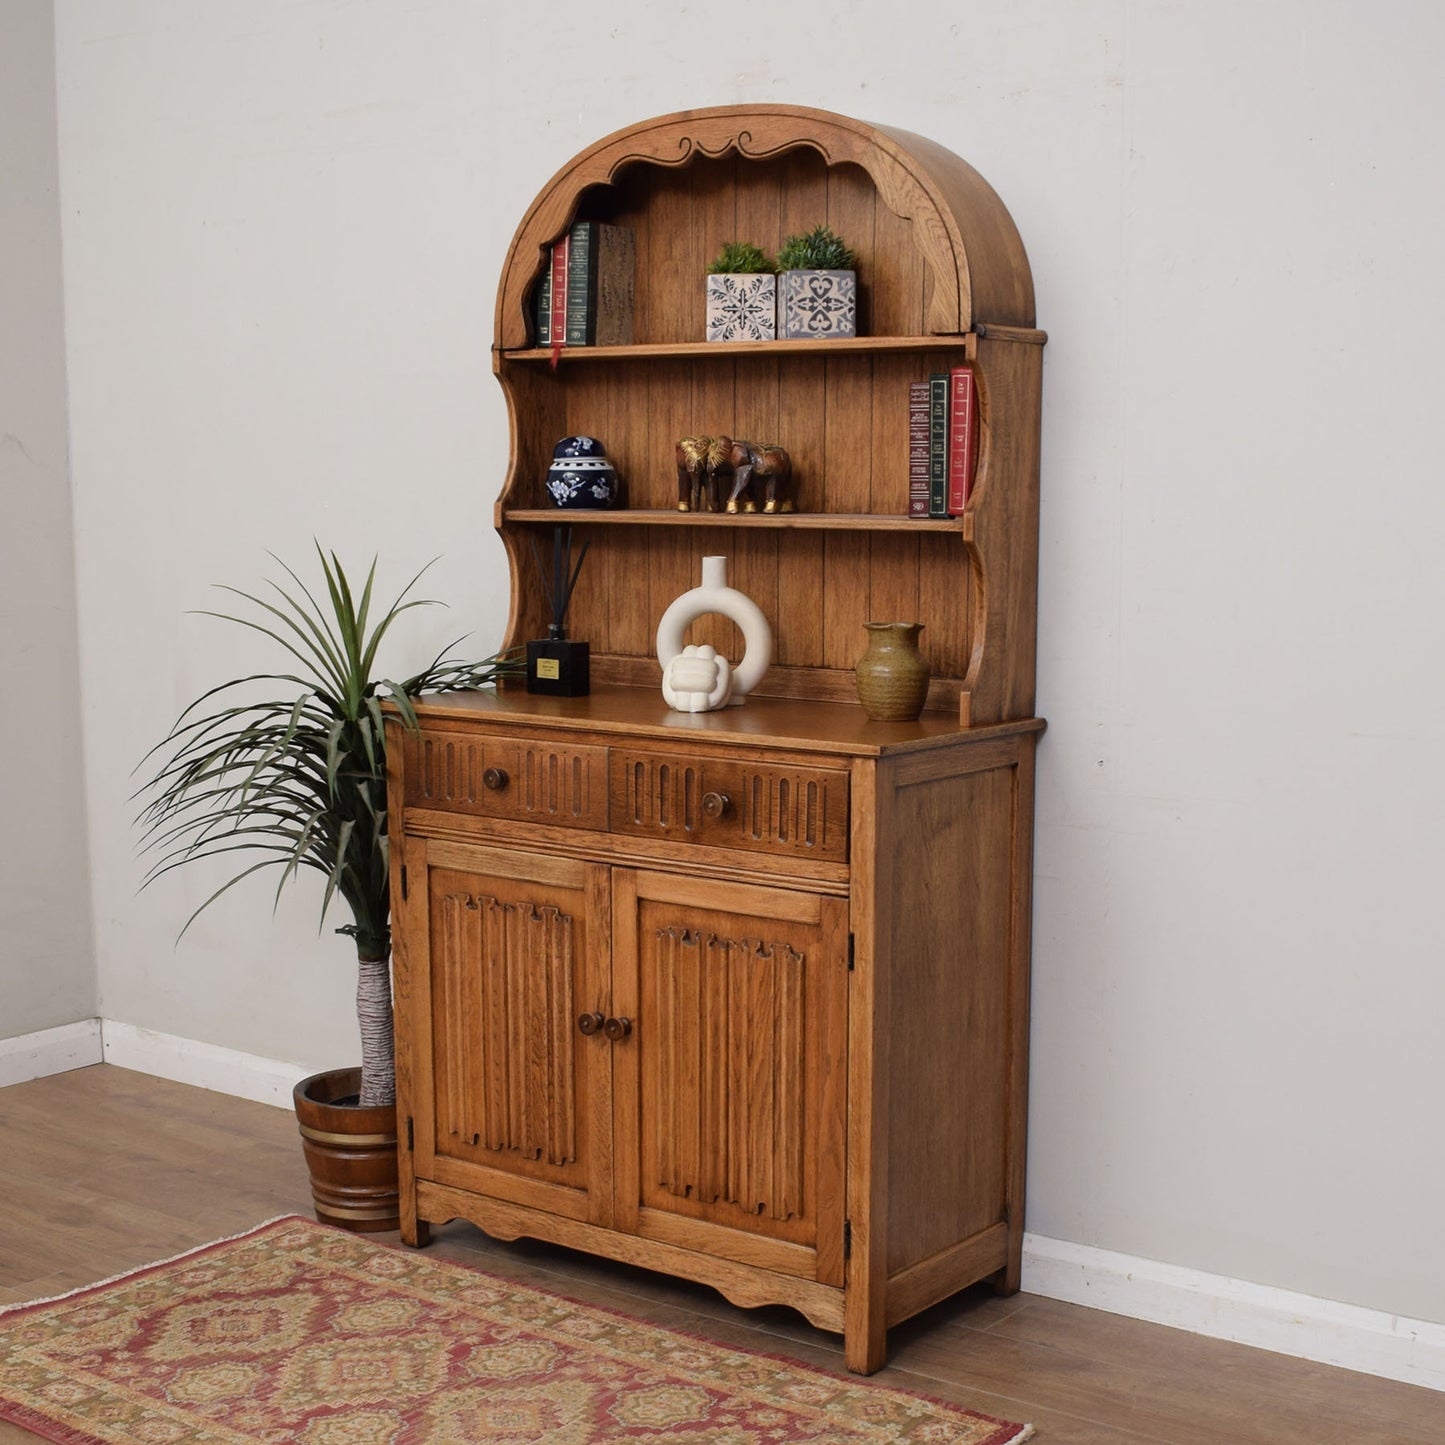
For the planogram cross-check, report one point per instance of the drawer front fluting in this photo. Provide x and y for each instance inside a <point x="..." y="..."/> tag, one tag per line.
<point x="503" y="777"/>
<point x="727" y="803"/>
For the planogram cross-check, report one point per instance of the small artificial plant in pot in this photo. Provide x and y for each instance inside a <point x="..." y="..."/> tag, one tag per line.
<point x="817" y="286"/>
<point x="299" y="777"/>
<point x="741" y="294"/>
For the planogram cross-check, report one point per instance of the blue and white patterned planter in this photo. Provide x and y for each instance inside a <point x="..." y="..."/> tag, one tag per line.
<point x="742" y="306"/>
<point x="817" y="304"/>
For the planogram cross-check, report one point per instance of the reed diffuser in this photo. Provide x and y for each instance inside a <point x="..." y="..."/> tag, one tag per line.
<point x="555" y="664"/>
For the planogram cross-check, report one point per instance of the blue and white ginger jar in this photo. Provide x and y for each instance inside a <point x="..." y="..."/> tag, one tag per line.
<point x="580" y="474"/>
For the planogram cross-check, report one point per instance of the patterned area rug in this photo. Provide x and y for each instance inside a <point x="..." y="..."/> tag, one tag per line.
<point x="297" y="1334"/>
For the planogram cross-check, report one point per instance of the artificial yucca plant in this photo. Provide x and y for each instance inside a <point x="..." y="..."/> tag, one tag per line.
<point x="300" y="776"/>
<point x="820" y="249"/>
<point x="741" y="258"/>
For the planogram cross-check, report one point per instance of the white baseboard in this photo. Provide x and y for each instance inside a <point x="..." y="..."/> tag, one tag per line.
<point x="50" y="1051"/>
<point x="207" y="1066"/>
<point x="1349" y="1336"/>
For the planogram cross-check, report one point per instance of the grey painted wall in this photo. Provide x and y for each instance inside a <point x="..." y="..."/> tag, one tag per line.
<point x="284" y="224"/>
<point x="47" y="966"/>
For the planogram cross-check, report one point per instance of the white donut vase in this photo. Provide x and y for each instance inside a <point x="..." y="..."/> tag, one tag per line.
<point x="714" y="595"/>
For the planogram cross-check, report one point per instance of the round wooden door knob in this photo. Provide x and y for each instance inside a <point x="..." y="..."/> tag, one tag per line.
<point x="617" y="1028"/>
<point x="591" y="1023"/>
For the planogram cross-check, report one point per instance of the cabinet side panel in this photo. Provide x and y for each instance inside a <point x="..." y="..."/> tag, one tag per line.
<point x="949" y="944"/>
<point x="1006" y="533"/>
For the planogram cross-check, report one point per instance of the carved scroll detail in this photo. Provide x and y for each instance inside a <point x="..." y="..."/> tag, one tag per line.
<point x="504" y="1026"/>
<point x="729" y="1040"/>
<point x="689" y="146"/>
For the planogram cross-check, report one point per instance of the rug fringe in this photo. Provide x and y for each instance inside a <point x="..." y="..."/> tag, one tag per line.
<point x="152" y="1264"/>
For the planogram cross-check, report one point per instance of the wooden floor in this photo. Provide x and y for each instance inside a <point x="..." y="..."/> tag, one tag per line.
<point x="102" y="1170"/>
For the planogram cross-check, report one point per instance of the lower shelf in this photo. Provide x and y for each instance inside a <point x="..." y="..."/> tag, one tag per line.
<point x="783" y="521"/>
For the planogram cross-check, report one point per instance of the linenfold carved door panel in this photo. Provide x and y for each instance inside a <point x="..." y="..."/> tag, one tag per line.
<point x="730" y="1092"/>
<point x="520" y="1097"/>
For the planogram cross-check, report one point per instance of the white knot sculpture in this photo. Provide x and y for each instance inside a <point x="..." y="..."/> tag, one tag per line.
<point x="686" y="669"/>
<point x="697" y="680"/>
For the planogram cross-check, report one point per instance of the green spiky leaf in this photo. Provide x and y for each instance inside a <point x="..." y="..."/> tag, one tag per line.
<point x="299" y="777"/>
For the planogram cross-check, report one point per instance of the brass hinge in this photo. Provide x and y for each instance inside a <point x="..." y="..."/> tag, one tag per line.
<point x="847" y="1238"/>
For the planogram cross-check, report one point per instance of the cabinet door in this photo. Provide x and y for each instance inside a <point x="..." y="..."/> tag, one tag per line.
<point x="730" y="1090"/>
<point x="512" y="1100"/>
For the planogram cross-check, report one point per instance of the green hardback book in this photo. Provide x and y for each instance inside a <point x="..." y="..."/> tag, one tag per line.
<point x="938" y="444"/>
<point x="601" y="267"/>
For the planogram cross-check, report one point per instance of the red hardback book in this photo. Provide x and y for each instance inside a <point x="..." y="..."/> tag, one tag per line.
<point x="917" y="448"/>
<point x="962" y="436"/>
<point x="559" y="293"/>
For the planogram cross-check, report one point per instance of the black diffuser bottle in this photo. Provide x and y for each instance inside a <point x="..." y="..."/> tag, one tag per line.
<point x="556" y="665"/>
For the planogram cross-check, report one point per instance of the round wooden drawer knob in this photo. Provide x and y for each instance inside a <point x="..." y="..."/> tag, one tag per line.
<point x="716" y="805"/>
<point x="494" y="779"/>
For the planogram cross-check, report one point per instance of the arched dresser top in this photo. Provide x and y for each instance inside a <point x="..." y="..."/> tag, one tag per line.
<point x="965" y="235"/>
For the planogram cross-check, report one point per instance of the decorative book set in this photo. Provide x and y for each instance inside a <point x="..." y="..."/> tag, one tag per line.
<point x="943" y="427"/>
<point x="585" y="294"/>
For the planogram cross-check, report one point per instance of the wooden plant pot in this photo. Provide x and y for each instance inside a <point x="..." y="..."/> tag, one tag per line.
<point x="350" y="1151"/>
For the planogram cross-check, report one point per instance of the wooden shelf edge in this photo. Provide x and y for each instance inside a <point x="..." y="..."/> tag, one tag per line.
<point x="1027" y="335"/>
<point x="967" y="342"/>
<point x="786" y="521"/>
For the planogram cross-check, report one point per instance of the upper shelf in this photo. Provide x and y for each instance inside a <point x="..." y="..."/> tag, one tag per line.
<point x="717" y="349"/>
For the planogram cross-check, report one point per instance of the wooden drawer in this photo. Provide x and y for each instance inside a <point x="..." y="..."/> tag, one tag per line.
<point x="728" y="803"/>
<point x="507" y="777"/>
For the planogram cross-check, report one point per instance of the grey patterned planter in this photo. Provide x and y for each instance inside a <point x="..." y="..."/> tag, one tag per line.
<point x="742" y="306"/>
<point x="817" y="304"/>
